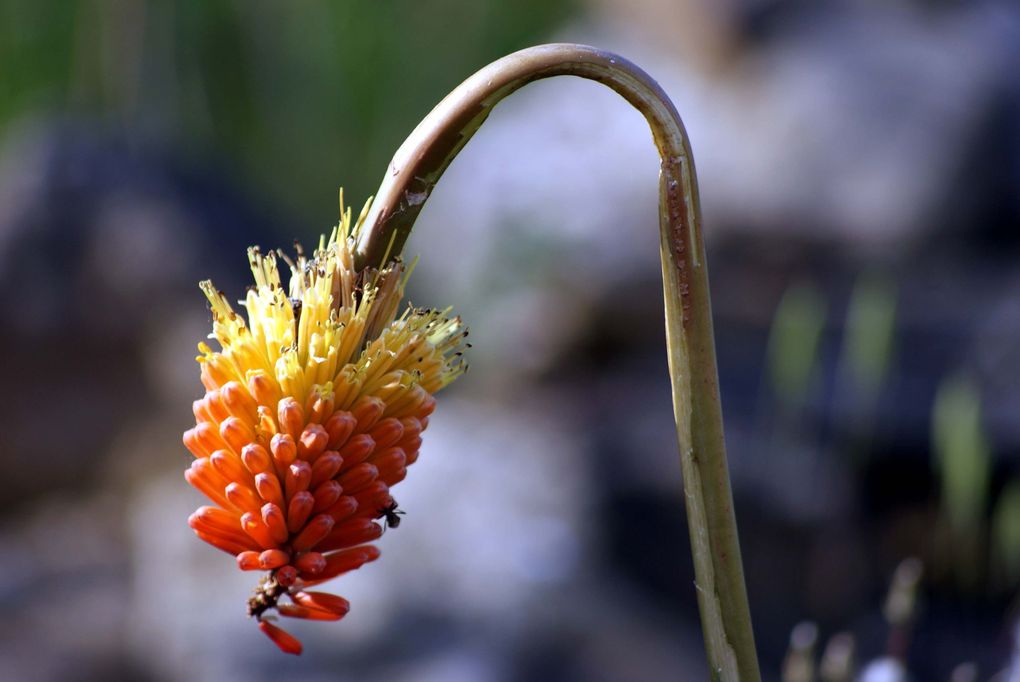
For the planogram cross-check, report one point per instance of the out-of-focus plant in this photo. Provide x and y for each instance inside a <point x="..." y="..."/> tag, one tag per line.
<point x="900" y="608"/>
<point x="960" y="452"/>
<point x="869" y="333"/>
<point x="838" y="662"/>
<point x="866" y="357"/>
<point x="799" y="665"/>
<point x="793" y="344"/>
<point x="267" y="89"/>
<point x="961" y="457"/>
<point x="1006" y="535"/>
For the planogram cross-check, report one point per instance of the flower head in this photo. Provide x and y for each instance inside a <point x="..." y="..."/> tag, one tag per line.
<point x="314" y="409"/>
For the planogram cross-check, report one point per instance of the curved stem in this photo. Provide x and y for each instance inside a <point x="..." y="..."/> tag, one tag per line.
<point x="414" y="171"/>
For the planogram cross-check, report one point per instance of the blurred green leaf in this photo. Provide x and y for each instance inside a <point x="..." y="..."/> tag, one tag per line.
<point x="36" y="44"/>
<point x="297" y="99"/>
<point x="961" y="453"/>
<point x="870" y="330"/>
<point x="1006" y="532"/>
<point x="794" y="342"/>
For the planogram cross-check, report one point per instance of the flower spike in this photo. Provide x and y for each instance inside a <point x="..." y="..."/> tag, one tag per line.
<point x="314" y="407"/>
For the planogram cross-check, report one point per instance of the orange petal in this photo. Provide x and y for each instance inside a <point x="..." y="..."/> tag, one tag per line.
<point x="300" y="509"/>
<point x="217" y="410"/>
<point x="412" y="429"/>
<point x="319" y="407"/>
<point x="350" y="533"/>
<point x="254" y="526"/>
<point x="313" y="442"/>
<point x="297" y="611"/>
<point x="325" y="467"/>
<point x="238" y="401"/>
<point x="248" y="561"/>
<point x="409" y="404"/>
<point x="322" y="601"/>
<point x="226" y="544"/>
<point x="343" y="508"/>
<point x="376" y="496"/>
<point x="268" y="486"/>
<point x="291" y="417"/>
<point x="310" y="563"/>
<point x="326" y="495"/>
<point x="427" y="407"/>
<point x="263" y="388"/>
<point x="367" y="411"/>
<point x="342" y="562"/>
<point x="299" y="475"/>
<point x="284" y="450"/>
<point x="273" y="558"/>
<point x="202" y="439"/>
<point x="266" y="422"/>
<point x="273" y="517"/>
<point x="411" y="449"/>
<point x="215" y="372"/>
<point x="359" y="477"/>
<point x="389" y="461"/>
<point x="387" y="432"/>
<point x="212" y="524"/>
<point x="208" y="481"/>
<point x="242" y="497"/>
<point x="315" y="530"/>
<point x="287" y="642"/>
<point x="236" y="433"/>
<point x="340" y="427"/>
<point x="286" y="575"/>
<point x="357" y="449"/>
<point x="255" y="459"/>
<point x="215" y="519"/>
<point x="229" y="466"/>
<point x="201" y="411"/>
<point x="395" y="477"/>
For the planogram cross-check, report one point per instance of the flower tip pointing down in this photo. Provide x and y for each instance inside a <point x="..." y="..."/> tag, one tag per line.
<point x="288" y="643"/>
<point x="314" y="408"/>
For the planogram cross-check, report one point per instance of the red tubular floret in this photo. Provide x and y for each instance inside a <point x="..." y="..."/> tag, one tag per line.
<point x="322" y="601"/>
<point x="344" y="561"/>
<point x="315" y="530"/>
<point x="300" y="509"/>
<point x="287" y="642"/>
<point x="298" y="611"/>
<point x="350" y="533"/>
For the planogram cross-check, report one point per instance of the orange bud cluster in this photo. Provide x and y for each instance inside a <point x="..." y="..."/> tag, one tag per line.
<point x="311" y="414"/>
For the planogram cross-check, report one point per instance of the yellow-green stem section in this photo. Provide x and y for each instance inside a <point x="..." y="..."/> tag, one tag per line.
<point x="418" y="165"/>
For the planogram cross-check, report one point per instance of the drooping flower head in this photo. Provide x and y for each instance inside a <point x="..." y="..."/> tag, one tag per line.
<point x="314" y="409"/>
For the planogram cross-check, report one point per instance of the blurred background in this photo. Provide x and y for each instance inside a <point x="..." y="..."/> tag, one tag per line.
<point x="860" y="173"/>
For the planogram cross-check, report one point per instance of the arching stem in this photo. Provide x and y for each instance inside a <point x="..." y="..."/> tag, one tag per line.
<point x="414" y="171"/>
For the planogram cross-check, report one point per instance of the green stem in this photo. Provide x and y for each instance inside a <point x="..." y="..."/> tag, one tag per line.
<point x="414" y="171"/>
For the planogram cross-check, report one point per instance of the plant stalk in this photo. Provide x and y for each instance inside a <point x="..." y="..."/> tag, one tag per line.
<point x="414" y="171"/>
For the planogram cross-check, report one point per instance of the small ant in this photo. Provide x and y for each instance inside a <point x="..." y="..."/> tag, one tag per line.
<point x="392" y="514"/>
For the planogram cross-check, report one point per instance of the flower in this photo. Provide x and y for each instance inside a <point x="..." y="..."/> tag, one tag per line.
<point x="314" y="408"/>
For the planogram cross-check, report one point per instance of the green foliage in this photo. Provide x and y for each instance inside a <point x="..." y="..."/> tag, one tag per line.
<point x="1006" y="533"/>
<point x="36" y="44"/>
<point x="870" y="330"/>
<point x="299" y="98"/>
<point x="961" y="453"/>
<point x="794" y="341"/>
